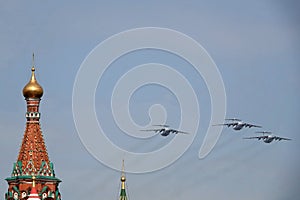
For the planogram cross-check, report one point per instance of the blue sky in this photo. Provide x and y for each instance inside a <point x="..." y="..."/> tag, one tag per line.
<point x="255" y="46"/>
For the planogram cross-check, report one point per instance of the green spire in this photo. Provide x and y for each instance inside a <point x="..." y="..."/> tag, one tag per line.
<point x="123" y="188"/>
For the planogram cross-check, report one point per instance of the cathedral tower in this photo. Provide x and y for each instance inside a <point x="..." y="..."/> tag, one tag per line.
<point x="33" y="172"/>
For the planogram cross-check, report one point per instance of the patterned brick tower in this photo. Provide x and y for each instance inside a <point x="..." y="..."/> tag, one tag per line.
<point x="33" y="171"/>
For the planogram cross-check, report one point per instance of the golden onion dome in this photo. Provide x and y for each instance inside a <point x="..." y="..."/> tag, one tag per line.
<point x="32" y="89"/>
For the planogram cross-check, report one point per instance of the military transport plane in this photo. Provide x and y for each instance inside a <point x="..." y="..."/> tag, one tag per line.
<point x="267" y="138"/>
<point x="237" y="124"/>
<point x="165" y="130"/>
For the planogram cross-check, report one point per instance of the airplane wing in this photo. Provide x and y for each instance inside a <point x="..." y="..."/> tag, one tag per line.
<point x="257" y="137"/>
<point x="227" y="124"/>
<point x="252" y="125"/>
<point x="155" y="130"/>
<point x="162" y="125"/>
<point x="176" y="131"/>
<point x="233" y="119"/>
<point x="281" y="138"/>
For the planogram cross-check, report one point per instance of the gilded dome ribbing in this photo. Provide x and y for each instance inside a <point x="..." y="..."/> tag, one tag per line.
<point x="32" y="89"/>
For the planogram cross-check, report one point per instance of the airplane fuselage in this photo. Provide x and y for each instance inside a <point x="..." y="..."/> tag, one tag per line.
<point x="165" y="132"/>
<point x="269" y="139"/>
<point x="238" y="126"/>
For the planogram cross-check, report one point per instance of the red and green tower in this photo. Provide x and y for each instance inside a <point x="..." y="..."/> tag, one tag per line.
<point x="33" y="167"/>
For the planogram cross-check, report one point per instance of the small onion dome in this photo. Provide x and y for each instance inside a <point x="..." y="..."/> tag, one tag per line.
<point x="32" y="89"/>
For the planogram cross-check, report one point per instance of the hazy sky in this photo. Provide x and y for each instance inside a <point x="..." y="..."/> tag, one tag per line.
<point x="255" y="46"/>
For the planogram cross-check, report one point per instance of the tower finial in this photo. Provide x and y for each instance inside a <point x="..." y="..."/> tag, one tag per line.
<point x="33" y="61"/>
<point x="123" y="179"/>
<point x="123" y="168"/>
<point x="33" y="193"/>
<point x="32" y="89"/>
<point x="33" y="181"/>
